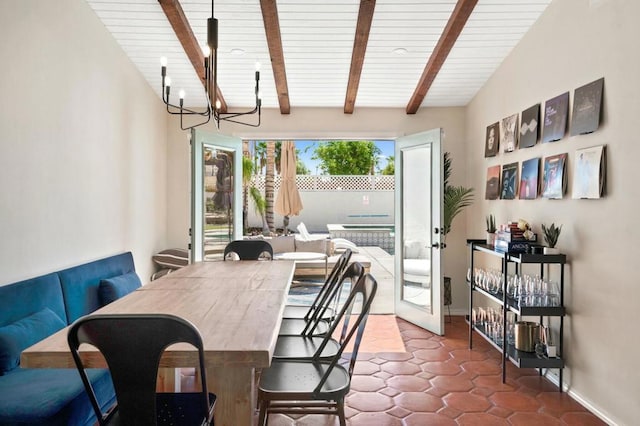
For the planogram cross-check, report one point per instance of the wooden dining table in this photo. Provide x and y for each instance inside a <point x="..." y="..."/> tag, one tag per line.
<point x="236" y="306"/>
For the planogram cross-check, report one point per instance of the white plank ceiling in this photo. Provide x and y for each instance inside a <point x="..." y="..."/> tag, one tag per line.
<point x="317" y="40"/>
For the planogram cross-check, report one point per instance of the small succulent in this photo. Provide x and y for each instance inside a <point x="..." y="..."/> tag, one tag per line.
<point x="551" y="234"/>
<point x="491" y="224"/>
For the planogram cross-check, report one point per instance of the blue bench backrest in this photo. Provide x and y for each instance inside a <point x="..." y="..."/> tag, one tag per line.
<point x="80" y="283"/>
<point x="24" y="298"/>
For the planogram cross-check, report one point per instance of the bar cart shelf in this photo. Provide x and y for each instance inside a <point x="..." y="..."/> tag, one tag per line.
<point x="520" y="359"/>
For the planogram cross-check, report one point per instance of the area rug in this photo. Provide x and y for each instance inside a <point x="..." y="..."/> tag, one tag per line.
<point x="380" y="335"/>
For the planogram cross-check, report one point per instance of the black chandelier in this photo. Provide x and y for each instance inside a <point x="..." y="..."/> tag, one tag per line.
<point x="210" y="87"/>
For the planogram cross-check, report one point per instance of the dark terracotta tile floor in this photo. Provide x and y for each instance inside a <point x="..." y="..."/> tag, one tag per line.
<point x="438" y="381"/>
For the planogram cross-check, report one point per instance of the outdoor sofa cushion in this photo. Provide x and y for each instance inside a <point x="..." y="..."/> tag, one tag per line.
<point x="17" y="336"/>
<point x="174" y="258"/>
<point x="114" y="288"/>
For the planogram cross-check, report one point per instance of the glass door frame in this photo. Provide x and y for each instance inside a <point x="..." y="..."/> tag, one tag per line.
<point x="431" y="319"/>
<point x="200" y="139"/>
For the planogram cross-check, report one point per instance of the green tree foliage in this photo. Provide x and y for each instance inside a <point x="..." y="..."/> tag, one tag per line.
<point x="390" y="168"/>
<point x="301" y="168"/>
<point x="347" y="157"/>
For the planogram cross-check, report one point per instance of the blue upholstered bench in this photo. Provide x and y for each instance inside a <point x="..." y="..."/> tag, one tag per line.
<point x="33" y="309"/>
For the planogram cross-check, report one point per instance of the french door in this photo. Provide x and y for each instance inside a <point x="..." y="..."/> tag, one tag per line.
<point x="418" y="230"/>
<point x="216" y="193"/>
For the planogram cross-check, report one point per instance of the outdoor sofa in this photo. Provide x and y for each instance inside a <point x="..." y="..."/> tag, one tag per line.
<point x="308" y="268"/>
<point x="35" y="308"/>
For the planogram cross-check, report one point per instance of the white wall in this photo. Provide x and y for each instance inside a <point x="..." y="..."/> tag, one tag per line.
<point x="333" y="123"/>
<point x="82" y="144"/>
<point x="573" y="43"/>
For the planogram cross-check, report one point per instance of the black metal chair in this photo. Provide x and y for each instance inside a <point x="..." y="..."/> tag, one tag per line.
<point x="317" y="386"/>
<point x="306" y="311"/>
<point x="317" y="325"/>
<point x="309" y="346"/>
<point x="249" y="249"/>
<point x="132" y="346"/>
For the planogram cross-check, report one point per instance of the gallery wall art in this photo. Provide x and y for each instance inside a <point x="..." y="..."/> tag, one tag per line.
<point x="587" y="102"/>
<point x="556" y="111"/>
<point x="530" y="126"/>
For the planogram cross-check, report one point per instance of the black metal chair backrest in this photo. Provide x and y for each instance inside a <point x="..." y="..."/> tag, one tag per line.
<point x="322" y="297"/>
<point x="353" y="273"/>
<point x="132" y="346"/>
<point x="361" y="294"/>
<point x="248" y="249"/>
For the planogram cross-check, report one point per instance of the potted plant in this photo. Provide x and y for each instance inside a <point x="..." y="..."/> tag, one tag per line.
<point x="491" y="229"/>
<point x="455" y="199"/>
<point x="551" y="235"/>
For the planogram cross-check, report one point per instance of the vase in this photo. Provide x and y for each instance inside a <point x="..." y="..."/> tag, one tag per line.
<point x="491" y="238"/>
<point x="551" y="250"/>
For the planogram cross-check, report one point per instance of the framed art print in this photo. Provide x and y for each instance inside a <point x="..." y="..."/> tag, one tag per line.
<point x="587" y="102"/>
<point x="530" y="126"/>
<point x="556" y="111"/>
<point x="509" y="181"/>
<point x="492" y="140"/>
<point x="509" y="133"/>
<point x="493" y="183"/>
<point x="529" y="180"/>
<point x="554" y="178"/>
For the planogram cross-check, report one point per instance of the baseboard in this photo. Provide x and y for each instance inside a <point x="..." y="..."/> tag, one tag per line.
<point x="552" y="376"/>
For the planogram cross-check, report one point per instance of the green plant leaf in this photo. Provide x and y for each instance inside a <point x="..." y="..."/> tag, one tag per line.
<point x="456" y="198"/>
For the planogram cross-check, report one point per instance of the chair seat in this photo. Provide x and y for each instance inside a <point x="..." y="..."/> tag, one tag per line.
<point x="295" y="327"/>
<point x="177" y="409"/>
<point x="300" y="347"/>
<point x="298" y="380"/>
<point x="300" y="311"/>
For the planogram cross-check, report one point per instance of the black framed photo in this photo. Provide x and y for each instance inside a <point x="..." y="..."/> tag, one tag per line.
<point x="492" y="140"/>
<point x="587" y="103"/>
<point x="509" y="133"/>
<point x="556" y="111"/>
<point x="530" y="126"/>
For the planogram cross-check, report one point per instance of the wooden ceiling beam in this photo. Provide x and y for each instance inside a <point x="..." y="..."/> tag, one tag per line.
<point x="451" y="32"/>
<point x="181" y="27"/>
<point x="363" y="28"/>
<point x="274" y="41"/>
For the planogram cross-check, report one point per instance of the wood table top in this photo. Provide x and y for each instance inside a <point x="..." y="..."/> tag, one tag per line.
<point x="236" y="306"/>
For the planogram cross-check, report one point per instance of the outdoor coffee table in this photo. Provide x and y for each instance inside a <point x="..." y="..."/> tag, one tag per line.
<point x="303" y="256"/>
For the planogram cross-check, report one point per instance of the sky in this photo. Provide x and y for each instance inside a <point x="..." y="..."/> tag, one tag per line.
<point x="306" y="148"/>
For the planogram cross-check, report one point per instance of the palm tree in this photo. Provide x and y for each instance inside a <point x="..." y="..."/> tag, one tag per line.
<point x="269" y="188"/>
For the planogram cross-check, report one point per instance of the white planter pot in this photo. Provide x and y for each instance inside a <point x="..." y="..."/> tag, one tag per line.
<point x="550" y="250"/>
<point x="491" y="238"/>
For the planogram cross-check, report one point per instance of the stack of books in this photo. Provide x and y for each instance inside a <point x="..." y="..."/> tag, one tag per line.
<point x="511" y="239"/>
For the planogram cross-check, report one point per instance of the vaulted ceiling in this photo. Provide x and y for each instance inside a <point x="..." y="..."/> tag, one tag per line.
<point x="325" y="53"/>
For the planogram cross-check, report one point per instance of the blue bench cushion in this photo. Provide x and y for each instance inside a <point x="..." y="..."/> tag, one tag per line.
<point x="23" y="298"/>
<point x="16" y="337"/>
<point x="114" y="288"/>
<point x="52" y="396"/>
<point x="80" y="283"/>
